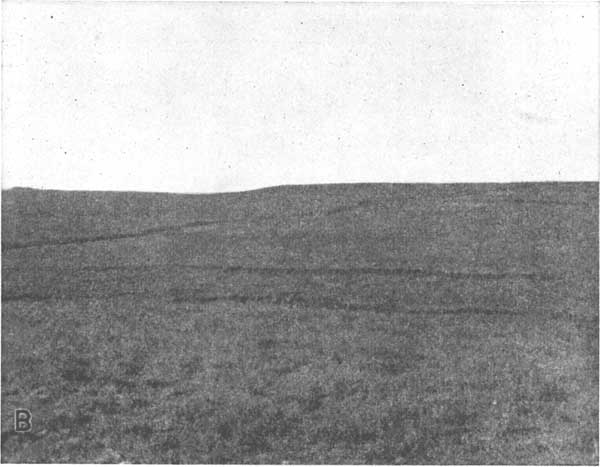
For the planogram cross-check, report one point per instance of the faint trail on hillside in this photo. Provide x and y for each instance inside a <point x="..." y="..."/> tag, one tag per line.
<point x="6" y="246"/>
<point x="346" y="208"/>
<point x="411" y="272"/>
<point x="36" y="297"/>
<point x="323" y="270"/>
<point x="548" y="202"/>
<point x="106" y="237"/>
<point x="298" y="299"/>
<point x="179" y="228"/>
<point x="199" y="296"/>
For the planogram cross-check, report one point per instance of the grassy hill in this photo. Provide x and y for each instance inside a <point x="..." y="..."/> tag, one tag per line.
<point x="315" y="324"/>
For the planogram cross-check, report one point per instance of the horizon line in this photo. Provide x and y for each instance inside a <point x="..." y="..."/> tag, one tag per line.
<point x="289" y="185"/>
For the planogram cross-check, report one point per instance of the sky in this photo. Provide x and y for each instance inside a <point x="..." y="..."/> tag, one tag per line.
<point x="207" y="97"/>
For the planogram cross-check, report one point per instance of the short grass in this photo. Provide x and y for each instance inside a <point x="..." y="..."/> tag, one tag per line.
<point x="349" y="333"/>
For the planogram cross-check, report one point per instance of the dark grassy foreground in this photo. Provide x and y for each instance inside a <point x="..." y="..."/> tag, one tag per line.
<point x="321" y="324"/>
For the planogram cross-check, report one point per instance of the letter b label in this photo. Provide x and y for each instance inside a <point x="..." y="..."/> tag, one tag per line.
<point x="22" y="420"/>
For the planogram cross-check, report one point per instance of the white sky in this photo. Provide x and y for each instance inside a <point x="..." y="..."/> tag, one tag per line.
<point x="224" y="97"/>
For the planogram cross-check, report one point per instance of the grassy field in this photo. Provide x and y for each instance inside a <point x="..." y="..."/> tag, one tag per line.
<point x="389" y="324"/>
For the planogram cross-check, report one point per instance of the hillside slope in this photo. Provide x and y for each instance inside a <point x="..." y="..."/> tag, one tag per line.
<point x="336" y="323"/>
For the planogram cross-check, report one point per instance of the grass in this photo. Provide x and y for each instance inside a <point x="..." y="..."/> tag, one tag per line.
<point x="359" y="329"/>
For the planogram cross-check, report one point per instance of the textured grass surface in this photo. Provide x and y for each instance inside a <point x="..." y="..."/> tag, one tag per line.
<point x="338" y="324"/>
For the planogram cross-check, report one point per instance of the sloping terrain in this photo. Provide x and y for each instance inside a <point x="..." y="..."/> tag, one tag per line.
<point x="336" y="323"/>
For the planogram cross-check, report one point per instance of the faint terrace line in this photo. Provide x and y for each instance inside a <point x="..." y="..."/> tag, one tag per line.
<point x="104" y="237"/>
<point x="548" y="202"/>
<point x="283" y="270"/>
<point x="294" y="298"/>
<point x="346" y="208"/>
<point x="194" y="296"/>
<point x="32" y="297"/>
<point x="411" y="272"/>
<point x="6" y="246"/>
